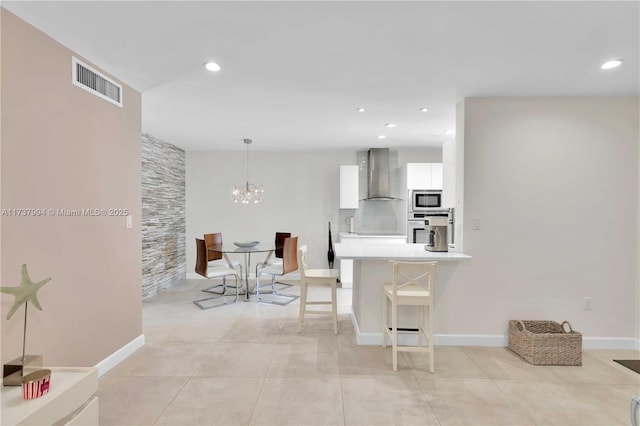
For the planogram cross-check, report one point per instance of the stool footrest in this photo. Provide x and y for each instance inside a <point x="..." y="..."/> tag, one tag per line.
<point x="413" y="348"/>
<point x="319" y="312"/>
<point x="404" y="329"/>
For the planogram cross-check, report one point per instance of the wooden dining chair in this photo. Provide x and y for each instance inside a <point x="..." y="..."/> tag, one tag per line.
<point x="289" y="264"/>
<point x="221" y="271"/>
<point x="215" y="259"/>
<point x="276" y="259"/>
<point x="316" y="277"/>
<point x="279" y="244"/>
<point x="413" y="284"/>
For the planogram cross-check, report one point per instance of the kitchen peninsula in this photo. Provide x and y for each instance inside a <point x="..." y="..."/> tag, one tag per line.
<point x="371" y="269"/>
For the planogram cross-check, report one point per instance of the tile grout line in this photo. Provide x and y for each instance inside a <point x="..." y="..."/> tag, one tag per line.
<point x="416" y="379"/>
<point x="344" y="410"/>
<point x="155" y="421"/>
<point x="255" y="406"/>
<point x="264" y="379"/>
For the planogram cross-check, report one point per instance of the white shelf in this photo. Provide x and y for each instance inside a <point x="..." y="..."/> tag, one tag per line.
<point x="71" y="400"/>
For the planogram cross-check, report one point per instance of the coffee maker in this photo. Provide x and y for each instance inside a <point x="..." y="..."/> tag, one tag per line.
<point x="436" y="227"/>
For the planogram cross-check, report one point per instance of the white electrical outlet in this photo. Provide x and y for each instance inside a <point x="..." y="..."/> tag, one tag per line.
<point x="475" y="224"/>
<point x="587" y="303"/>
<point x="129" y="221"/>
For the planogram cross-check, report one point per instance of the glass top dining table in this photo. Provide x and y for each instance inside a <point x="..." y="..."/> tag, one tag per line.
<point x="227" y="249"/>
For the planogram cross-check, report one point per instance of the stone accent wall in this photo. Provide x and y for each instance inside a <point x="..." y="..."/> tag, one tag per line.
<point x="163" y="215"/>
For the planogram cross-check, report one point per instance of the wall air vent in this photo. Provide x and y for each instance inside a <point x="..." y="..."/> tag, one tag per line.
<point x="95" y="82"/>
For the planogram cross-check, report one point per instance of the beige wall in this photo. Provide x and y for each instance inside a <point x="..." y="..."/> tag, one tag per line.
<point x="64" y="148"/>
<point x="554" y="185"/>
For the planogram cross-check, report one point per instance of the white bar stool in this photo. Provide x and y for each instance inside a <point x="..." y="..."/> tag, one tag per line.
<point x="325" y="277"/>
<point x="413" y="284"/>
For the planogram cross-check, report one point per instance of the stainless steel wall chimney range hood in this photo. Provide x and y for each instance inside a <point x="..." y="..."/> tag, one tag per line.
<point x="378" y="175"/>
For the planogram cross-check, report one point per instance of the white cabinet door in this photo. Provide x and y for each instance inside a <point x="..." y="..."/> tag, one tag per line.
<point x="348" y="187"/>
<point x="424" y="175"/>
<point x="436" y="176"/>
<point x="418" y="175"/>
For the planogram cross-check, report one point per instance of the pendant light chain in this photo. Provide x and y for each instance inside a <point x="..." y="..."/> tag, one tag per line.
<point x="247" y="143"/>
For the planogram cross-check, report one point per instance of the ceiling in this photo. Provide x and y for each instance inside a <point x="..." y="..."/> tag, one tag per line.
<point x="294" y="72"/>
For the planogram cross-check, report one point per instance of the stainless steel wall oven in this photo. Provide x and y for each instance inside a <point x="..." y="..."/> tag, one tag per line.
<point x="417" y="225"/>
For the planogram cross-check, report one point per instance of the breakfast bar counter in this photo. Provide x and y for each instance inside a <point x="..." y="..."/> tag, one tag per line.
<point x="371" y="269"/>
<point x="415" y="252"/>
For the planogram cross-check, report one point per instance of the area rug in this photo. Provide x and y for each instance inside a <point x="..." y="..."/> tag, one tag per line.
<point x="632" y="364"/>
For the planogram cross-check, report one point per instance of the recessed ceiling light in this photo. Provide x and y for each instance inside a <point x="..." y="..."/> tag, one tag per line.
<point x="390" y="125"/>
<point x="448" y="132"/>
<point x="424" y="109"/>
<point x="381" y="136"/>
<point x="614" y="63"/>
<point x="212" y="66"/>
<point x="361" y="110"/>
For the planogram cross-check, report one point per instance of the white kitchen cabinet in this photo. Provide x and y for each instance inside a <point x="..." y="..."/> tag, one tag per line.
<point x="71" y="400"/>
<point x="349" y="187"/>
<point x="436" y="176"/>
<point x="418" y="175"/>
<point x="424" y="175"/>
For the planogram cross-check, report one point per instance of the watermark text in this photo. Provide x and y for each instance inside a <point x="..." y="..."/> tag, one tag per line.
<point x="58" y="212"/>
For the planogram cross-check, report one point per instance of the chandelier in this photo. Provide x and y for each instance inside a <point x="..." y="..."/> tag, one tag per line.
<point x="247" y="193"/>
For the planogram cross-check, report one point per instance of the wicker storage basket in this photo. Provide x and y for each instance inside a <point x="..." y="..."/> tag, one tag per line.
<point x="545" y="342"/>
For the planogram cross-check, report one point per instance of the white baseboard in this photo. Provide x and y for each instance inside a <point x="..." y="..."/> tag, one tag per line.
<point x="489" y="340"/>
<point x="120" y="355"/>
<point x="471" y="340"/>
<point x="610" y="343"/>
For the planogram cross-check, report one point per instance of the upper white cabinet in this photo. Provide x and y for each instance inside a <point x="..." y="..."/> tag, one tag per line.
<point x="436" y="176"/>
<point x="349" y="187"/>
<point x="424" y="175"/>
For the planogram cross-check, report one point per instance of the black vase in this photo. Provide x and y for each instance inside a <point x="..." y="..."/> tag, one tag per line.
<point x="330" y="255"/>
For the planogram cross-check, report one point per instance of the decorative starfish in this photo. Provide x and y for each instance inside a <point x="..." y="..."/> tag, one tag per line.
<point x="26" y="292"/>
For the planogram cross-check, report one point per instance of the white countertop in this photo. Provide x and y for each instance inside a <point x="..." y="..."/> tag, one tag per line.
<point x="393" y="251"/>
<point x="356" y="235"/>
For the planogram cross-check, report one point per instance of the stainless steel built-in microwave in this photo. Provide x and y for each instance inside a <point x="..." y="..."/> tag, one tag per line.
<point x="425" y="200"/>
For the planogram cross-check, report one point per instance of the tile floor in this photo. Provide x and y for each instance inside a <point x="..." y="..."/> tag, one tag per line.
<point x="244" y="364"/>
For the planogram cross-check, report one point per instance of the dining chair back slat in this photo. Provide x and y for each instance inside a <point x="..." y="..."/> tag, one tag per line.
<point x="280" y="237"/>
<point x="290" y="255"/>
<point x="213" y="239"/>
<point x="201" y="257"/>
